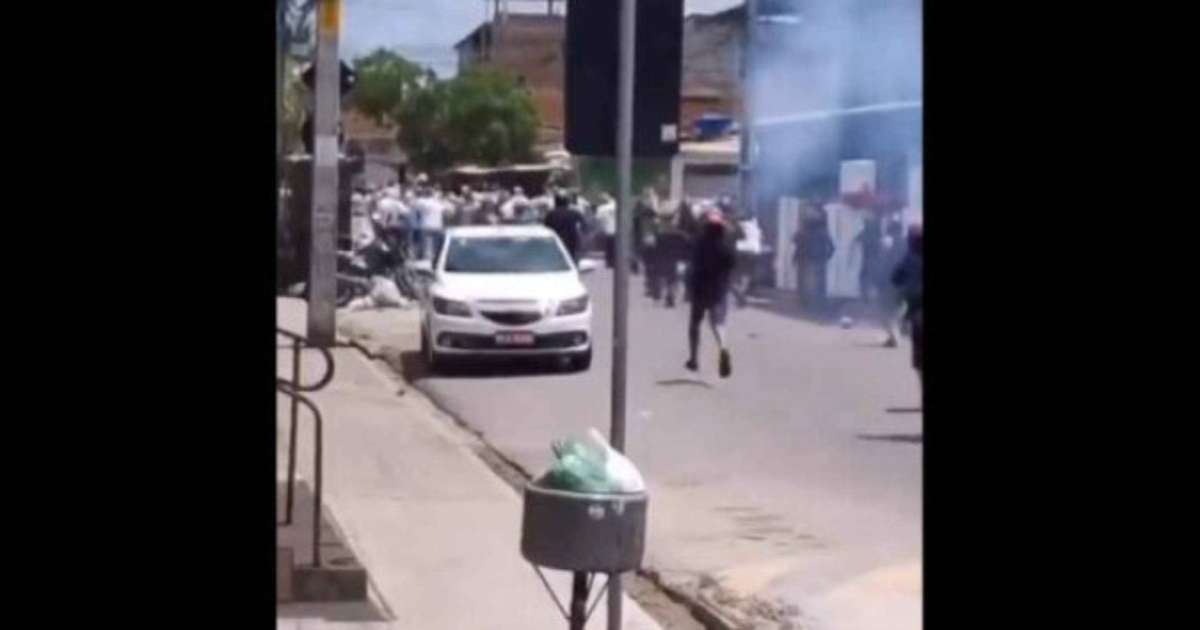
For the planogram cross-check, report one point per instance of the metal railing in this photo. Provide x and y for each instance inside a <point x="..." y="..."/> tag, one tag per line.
<point x="294" y="389"/>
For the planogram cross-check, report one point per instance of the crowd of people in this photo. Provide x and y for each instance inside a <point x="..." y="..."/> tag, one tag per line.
<point x="416" y="215"/>
<point x="701" y="250"/>
<point x="890" y="276"/>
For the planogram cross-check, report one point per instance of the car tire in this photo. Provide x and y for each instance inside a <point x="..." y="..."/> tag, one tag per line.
<point x="435" y="363"/>
<point x="582" y="361"/>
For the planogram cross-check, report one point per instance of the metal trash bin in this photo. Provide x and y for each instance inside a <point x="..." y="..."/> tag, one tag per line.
<point x="583" y="532"/>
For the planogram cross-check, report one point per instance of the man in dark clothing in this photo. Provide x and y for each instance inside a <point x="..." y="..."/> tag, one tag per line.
<point x="567" y="224"/>
<point x="687" y="224"/>
<point x="816" y="248"/>
<point x="887" y="296"/>
<point x="908" y="277"/>
<point x="870" y="239"/>
<point x="672" y="248"/>
<point x="713" y="259"/>
<point x="644" y="234"/>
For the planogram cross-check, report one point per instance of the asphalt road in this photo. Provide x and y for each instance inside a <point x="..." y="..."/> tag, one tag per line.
<point x="799" y="477"/>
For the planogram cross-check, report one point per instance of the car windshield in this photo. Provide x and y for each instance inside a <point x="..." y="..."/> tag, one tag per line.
<point x="507" y="254"/>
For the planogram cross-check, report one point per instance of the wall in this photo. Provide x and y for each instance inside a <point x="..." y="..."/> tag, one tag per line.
<point x="711" y="65"/>
<point x="530" y="47"/>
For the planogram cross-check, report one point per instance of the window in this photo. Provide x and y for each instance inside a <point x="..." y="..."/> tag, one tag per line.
<point x="536" y="254"/>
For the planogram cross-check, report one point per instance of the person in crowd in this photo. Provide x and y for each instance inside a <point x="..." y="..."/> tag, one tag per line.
<point x="580" y="203"/>
<point x="892" y="251"/>
<point x="870" y="243"/>
<point x="489" y="211"/>
<point x="816" y="249"/>
<point x="606" y="216"/>
<point x="430" y="213"/>
<point x="674" y="248"/>
<point x="468" y="206"/>
<point x="685" y="219"/>
<point x="394" y="218"/>
<point x="712" y="263"/>
<point x="567" y="224"/>
<point x="908" y="278"/>
<point x="514" y="205"/>
<point x="644" y="233"/>
<point x="687" y="222"/>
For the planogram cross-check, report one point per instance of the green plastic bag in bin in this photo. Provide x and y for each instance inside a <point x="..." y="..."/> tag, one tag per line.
<point x="591" y="465"/>
<point x="578" y="468"/>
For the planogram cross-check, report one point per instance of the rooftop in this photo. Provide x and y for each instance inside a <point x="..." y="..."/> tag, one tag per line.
<point x="518" y="19"/>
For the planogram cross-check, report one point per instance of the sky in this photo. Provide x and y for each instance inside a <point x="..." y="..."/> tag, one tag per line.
<point x="425" y="31"/>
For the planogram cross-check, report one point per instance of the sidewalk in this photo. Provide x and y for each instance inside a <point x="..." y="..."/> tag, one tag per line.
<point x="437" y="531"/>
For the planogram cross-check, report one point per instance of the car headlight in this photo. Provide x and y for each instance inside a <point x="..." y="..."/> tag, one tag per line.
<point x="442" y="306"/>
<point x="573" y="306"/>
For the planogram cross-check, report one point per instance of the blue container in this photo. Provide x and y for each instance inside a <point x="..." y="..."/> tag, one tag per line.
<point x="713" y="125"/>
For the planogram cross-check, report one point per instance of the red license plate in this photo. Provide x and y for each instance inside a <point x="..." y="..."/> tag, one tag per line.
<point x="514" y="339"/>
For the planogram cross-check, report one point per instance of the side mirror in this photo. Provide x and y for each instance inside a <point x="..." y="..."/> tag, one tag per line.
<point x="587" y="265"/>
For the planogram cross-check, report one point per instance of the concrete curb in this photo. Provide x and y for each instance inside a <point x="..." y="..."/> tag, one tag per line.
<point x="706" y="614"/>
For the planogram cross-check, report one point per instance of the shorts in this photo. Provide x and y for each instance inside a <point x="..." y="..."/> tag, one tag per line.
<point x="717" y="312"/>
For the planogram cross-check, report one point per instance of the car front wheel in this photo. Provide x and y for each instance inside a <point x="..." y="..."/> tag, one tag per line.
<point x="434" y="361"/>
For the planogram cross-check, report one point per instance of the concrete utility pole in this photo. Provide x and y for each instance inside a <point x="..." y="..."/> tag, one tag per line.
<point x="280" y="53"/>
<point x="322" y="282"/>
<point x="624" y="241"/>
<point x="746" y="168"/>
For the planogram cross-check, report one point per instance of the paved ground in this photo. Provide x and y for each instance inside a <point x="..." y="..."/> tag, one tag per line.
<point x="437" y="530"/>
<point x="799" y="478"/>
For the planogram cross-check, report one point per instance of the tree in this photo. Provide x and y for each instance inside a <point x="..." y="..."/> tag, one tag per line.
<point x="482" y="116"/>
<point x="385" y="80"/>
<point x="424" y="132"/>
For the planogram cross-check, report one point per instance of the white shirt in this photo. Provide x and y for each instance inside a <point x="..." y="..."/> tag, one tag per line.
<point x="752" y="243"/>
<point x="509" y="209"/>
<point x="431" y="210"/>
<point x="606" y="215"/>
<point x="392" y="210"/>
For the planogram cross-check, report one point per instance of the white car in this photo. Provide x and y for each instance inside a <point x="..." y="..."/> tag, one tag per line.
<point x="505" y="290"/>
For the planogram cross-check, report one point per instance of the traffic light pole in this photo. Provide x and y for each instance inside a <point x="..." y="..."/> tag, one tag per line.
<point x="322" y="287"/>
<point x="624" y="241"/>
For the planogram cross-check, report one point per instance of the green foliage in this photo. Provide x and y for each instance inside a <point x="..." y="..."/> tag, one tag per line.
<point x="423" y="128"/>
<point x="385" y="80"/>
<point x="480" y="117"/>
<point x="492" y="119"/>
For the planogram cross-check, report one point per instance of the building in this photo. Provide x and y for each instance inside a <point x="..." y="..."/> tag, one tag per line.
<point x="712" y="58"/>
<point x="842" y="83"/>
<point x="529" y="47"/>
<point x="839" y="82"/>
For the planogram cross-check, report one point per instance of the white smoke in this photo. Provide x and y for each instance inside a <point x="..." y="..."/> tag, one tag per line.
<point x="825" y="65"/>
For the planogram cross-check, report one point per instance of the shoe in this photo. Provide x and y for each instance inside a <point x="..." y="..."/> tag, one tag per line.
<point x="890" y="343"/>
<point x="726" y="366"/>
<point x="692" y="365"/>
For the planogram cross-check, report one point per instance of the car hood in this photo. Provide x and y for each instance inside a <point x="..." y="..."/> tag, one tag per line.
<point x="516" y="287"/>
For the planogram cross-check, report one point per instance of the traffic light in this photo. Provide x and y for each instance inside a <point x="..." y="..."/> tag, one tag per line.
<point x="348" y="77"/>
<point x="347" y="81"/>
